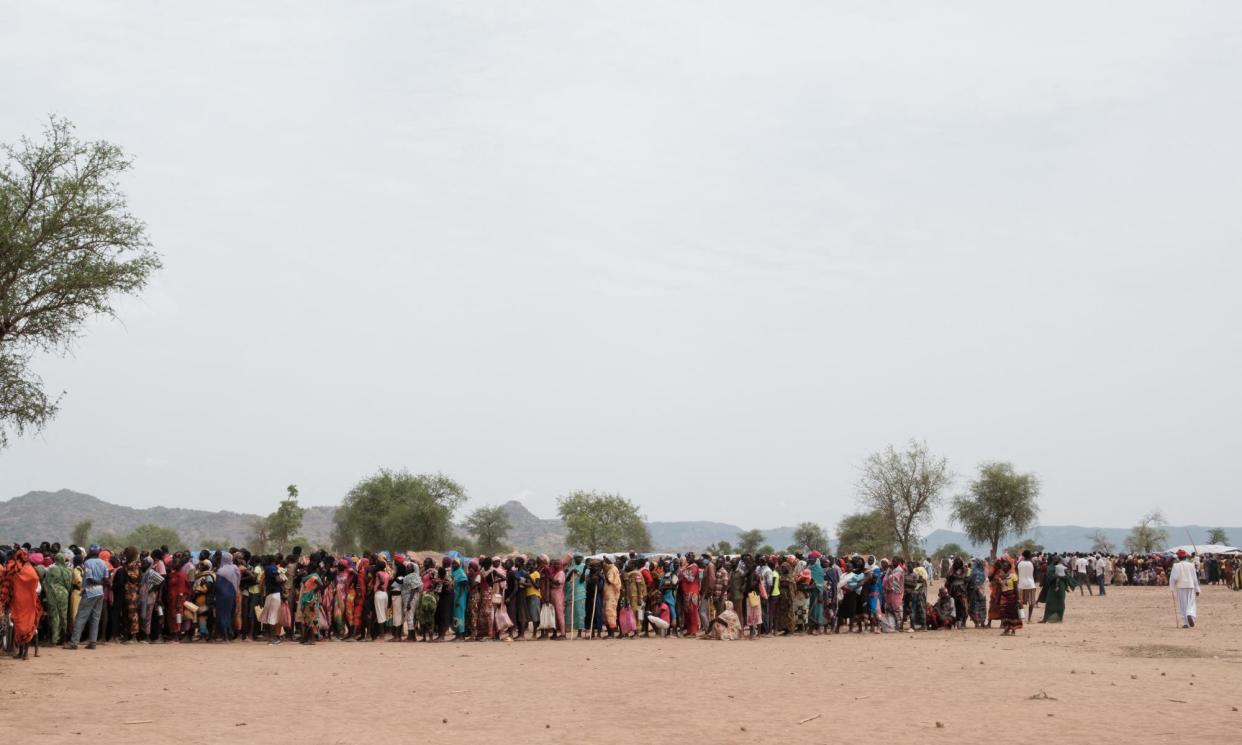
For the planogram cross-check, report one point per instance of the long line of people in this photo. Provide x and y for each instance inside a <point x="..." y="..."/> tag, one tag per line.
<point x="160" y="595"/>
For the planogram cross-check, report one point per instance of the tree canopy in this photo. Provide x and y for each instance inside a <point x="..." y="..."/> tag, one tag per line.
<point x="949" y="550"/>
<point x="1000" y="503"/>
<point x="1218" y="535"/>
<point x="866" y="533"/>
<point x="283" y="525"/>
<point x="489" y="526"/>
<point x="1026" y="544"/>
<point x="719" y="548"/>
<point x="68" y="248"/>
<point x="1149" y="535"/>
<point x="750" y="541"/>
<point x="809" y="537"/>
<point x="82" y="533"/>
<point x="598" y="521"/>
<point x="398" y="510"/>
<point x="904" y="488"/>
<point x="1100" y="542"/>
<point x="146" y="536"/>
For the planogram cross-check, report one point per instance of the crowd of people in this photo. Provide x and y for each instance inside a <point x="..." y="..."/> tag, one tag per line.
<point x="63" y="596"/>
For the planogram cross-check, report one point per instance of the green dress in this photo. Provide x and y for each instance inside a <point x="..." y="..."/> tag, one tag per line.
<point x="1054" y="606"/>
<point x="56" y="583"/>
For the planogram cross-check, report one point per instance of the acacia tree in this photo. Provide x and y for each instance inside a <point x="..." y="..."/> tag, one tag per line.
<point x="749" y="541"/>
<point x="283" y="524"/>
<point x="490" y="526"/>
<point x="1026" y="544"/>
<point x="68" y="248"/>
<point x="1100" y="542"/>
<point x="1149" y="535"/>
<point x="1218" y="535"/>
<point x="398" y="510"/>
<point x="809" y="537"/>
<point x="865" y="533"/>
<point x="905" y="488"/>
<point x="1000" y="503"/>
<point x="597" y="521"/>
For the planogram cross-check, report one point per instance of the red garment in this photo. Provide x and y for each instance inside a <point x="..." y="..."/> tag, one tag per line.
<point x="689" y="577"/>
<point x="25" y="610"/>
<point x="360" y="594"/>
<point x="178" y="593"/>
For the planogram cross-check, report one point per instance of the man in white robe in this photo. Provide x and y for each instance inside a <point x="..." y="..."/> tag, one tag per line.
<point x="1184" y="582"/>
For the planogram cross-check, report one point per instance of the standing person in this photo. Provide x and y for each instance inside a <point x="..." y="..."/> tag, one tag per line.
<point x="612" y="594"/>
<point x="444" y="601"/>
<point x="575" y="586"/>
<point x="915" y="600"/>
<point x="273" y="593"/>
<point x="756" y="599"/>
<point x="816" y="615"/>
<point x="1184" y="582"/>
<point x="228" y="588"/>
<point x="152" y="610"/>
<point x="1010" y="602"/>
<point x="133" y="584"/>
<point x="1028" y="592"/>
<point x="557" y="595"/>
<point x="851" y="588"/>
<point x="978" y="598"/>
<point x="1080" y="574"/>
<point x="533" y="597"/>
<point x="1102" y="571"/>
<point x="380" y="598"/>
<point x="707" y="591"/>
<point x="832" y="576"/>
<point x="956" y="581"/>
<point x="308" y="604"/>
<point x="411" y="593"/>
<point x="461" y="587"/>
<point x="1057" y="583"/>
<point x="56" y="583"/>
<point x="946" y="566"/>
<point x="178" y="593"/>
<point x="690" y="586"/>
<point x="894" y="592"/>
<point x="635" y="588"/>
<point x="20" y="594"/>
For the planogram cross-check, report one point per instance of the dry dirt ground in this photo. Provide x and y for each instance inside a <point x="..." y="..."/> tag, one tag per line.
<point x="1101" y="677"/>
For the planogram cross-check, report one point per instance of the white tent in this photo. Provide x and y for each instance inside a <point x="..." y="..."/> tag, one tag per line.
<point x="1205" y="548"/>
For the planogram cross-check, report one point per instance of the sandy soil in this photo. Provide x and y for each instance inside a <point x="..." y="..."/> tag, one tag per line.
<point x="1103" y="686"/>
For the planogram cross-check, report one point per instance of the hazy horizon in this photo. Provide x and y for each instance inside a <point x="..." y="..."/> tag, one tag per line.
<point x="706" y="255"/>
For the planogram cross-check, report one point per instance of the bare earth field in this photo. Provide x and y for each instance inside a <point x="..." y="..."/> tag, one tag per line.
<point x="1104" y="675"/>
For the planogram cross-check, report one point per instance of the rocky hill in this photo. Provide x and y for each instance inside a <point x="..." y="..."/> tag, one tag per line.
<point x="52" y="516"/>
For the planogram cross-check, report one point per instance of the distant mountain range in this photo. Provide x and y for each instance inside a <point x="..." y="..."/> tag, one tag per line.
<point x="51" y="516"/>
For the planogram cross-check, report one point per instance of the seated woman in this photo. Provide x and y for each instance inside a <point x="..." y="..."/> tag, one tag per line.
<point x="725" y="627"/>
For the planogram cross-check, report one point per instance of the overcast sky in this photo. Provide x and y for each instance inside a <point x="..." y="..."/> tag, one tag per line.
<point x="707" y="255"/>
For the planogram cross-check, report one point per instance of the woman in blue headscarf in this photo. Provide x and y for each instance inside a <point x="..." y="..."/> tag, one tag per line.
<point x="228" y="584"/>
<point x="461" y="587"/>
<point x="978" y="584"/>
